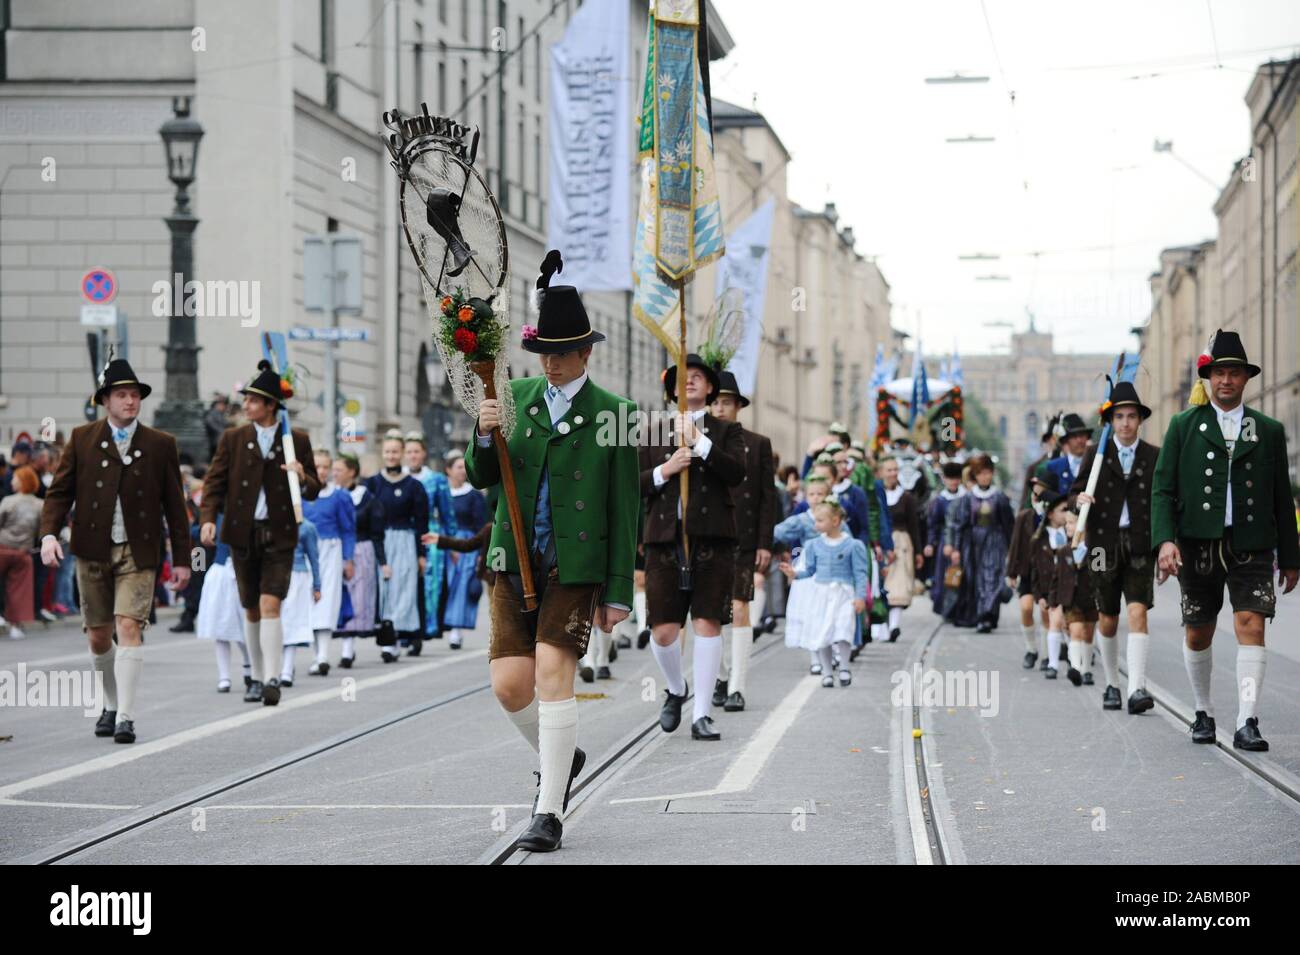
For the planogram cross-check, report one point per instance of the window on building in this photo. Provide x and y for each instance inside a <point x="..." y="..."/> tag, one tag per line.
<point x="417" y="53"/>
<point x="464" y="20"/>
<point x="464" y="84"/>
<point x="1031" y="388"/>
<point x="1002" y="426"/>
<point x="523" y="212"/>
<point x="537" y="66"/>
<point x="1031" y="426"/>
<point x="327" y="53"/>
<point x="442" y="12"/>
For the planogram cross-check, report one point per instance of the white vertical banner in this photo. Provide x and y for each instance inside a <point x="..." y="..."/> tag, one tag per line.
<point x="744" y="267"/>
<point x="590" y="129"/>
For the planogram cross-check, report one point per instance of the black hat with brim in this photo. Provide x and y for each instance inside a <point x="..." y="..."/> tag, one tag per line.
<point x="117" y="374"/>
<point x="562" y="323"/>
<point x="1125" y="395"/>
<point x="265" y="385"/>
<point x="727" y="386"/>
<point x="1226" y="349"/>
<point x="1073" y="424"/>
<point x="692" y="361"/>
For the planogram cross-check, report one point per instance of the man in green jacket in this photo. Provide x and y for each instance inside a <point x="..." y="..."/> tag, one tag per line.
<point x="579" y="493"/>
<point x="1220" y="507"/>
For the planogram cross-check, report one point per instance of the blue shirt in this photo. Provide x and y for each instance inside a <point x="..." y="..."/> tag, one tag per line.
<point x="306" y="552"/>
<point x="335" y="517"/>
<point x="842" y="562"/>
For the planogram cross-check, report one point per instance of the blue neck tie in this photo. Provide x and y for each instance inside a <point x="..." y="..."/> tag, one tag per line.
<point x="1126" y="459"/>
<point x="121" y="434"/>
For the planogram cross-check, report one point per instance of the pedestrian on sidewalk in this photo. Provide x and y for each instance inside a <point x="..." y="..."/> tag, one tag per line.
<point x="123" y="479"/>
<point x="20" y="520"/>
<point x="1220" y="516"/>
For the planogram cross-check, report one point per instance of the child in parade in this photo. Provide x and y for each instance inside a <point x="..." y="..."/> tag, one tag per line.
<point x="304" y="596"/>
<point x="793" y="534"/>
<point x="220" y="618"/>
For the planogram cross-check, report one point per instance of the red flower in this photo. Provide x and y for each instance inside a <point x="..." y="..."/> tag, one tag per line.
<point x="286" y="389"/>
<point x="1203" y="360"/>
<point x="466" y="340"/>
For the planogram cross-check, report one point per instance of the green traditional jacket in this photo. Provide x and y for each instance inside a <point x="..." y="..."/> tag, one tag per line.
<point x="595" y="486"/>
<point x="1190" y="487"/>
<point x="863" y="478"/>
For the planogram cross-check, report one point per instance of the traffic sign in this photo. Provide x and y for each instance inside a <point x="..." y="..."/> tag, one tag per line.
<point x="329" y="334"/>
<point x="99" y="286"/>
<point x="99" y="316"/>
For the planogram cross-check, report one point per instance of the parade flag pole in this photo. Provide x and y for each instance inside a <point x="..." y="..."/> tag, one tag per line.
<point x="274" y="351"/>
<point x="1125" y="369"/>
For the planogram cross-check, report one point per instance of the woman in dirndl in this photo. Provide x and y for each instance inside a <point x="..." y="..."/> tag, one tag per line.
<point x="900" y="577"/>
<point x="335" y="518"/>
<point x="367" y="559"/>
<point x="463" y="588"/>
<point x="221" y="618"/>
<point x="304" y="594"/>
<point x="406" y="519"/>
<point x="442" y="520"/>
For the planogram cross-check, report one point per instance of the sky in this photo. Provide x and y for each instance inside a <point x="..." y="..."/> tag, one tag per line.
<point x="1072" y="176"/>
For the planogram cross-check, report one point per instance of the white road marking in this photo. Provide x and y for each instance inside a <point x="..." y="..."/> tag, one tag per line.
<point x="61" y="805"/>
<point x="449" y="805"/>
<point x="140" y="750"/>
<point x="745" y="769"/>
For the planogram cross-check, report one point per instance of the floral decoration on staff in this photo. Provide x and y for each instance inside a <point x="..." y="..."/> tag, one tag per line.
<point x="469" y="326"/>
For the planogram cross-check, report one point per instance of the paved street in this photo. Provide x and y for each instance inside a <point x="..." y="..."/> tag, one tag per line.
<point x="415" y="763"/>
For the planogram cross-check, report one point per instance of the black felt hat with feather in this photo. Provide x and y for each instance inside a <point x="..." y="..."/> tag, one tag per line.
<point x="562" y="323"/>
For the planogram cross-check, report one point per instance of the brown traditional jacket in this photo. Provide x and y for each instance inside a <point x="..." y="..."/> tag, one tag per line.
<point x="1019" y="555"/>
<point x="93" y="476"/>
<point x="710" y="509"/>
<point x="238" y="471"/>
<point x="755" y="495"/>
<point x="1112" y="492"/>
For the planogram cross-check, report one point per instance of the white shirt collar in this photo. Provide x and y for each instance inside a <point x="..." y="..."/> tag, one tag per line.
<point x="462" y="490"/>
<point x="1235" y="414"/>
<point x="842" y="486"/>
<point x="697" y="415"/>
<point x="130" y="428"/>
<point x="570" y="390"/>
<point x="983" y="494"/>
<point x="1075" y="463"/>
<point x="892" y="497"/>
<point x="271" y="428"/>
<point x="1119" y="446"/>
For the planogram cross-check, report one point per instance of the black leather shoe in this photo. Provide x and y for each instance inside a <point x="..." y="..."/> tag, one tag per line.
<point x="1030" y="660"/>
<point x="579" y="760"/>
<point x="271" y="692"/>
<point x="1050" y="673"/>
<point x="1044" y="664"/>
<point x="254" y="692"/>
<point x="248" y="681"/>
<point x="1203" y="728"/>
<point x="415" y="647"/>
<point x="318" y="669"/>
<point x="623" y="642"/>
<point x="613" y="653"/>
<point x="735" y="703"/>
<point x="703" y="729"/>
<point x="1088" y="679"/>
<point x="181" y="627"/>
<point x="1248" y="737"/>
<point x="1140" y="701"/>
<point x="643" y="639"/>
<point x="126" y="733"/>
<point x="588" y="674"/>
<point x="1110" y="698"/>
<point x="388" y="656"/>
<point x="853" y="654"/>
<point x="1074" y="676"/>
<point x="719" y="692"/>
<point x="670" y="714"/>
<point x="602" y="673"/>
<point x="894" y="634"/>
<point x="286" y="683"/>
<point x="769" y="623"/>
<point x="346" y="663"/>
<point x="543" y="834"/>
<point x="106" y="723"/>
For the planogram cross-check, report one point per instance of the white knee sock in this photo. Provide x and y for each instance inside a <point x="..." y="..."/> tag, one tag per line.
<point x="102" y="663"/>
<point x="599" y="647"/>
<point x="895" y="615"/>
<point x="707" y="656"/>
<point x="454" y="638"/>
<point x="349" y="648"/>
<point x="243" y="650"/>
<point x="1138" y="644"/>
<point x="1200" y="665"/>
<point x="638" y="609"/>
<point x="1250" y="681"/>
<point x="824" y="658"/>
<point x="724" y="664"/>
<point x="1085" y="657"/>
<point x="253" y="646"/>
<point x="1031" y="638"/>
<point x="1054" y="649"/>
<point x="1042" y="640"/>
<point x="322" y="640"/>
<point x="758" y="604"/>
<point x="557" y="735"/>
<point x="1110" y="660"/>
<point x="223" y="660"/>
<point x="742" y="641"/>
<point x="272" y="639"/>
<point x="1074" y="653"/>
<point x="842" y="649"/>
<point x="815" y="657"/>
<point x="669" y="659"/>
<point x="286" y="664"/>
<point x="130" y="660"/>
<point x="525" y="721"/>
<point x="878" y="631"/>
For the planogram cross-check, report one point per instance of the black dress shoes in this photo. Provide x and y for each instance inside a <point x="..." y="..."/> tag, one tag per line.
<point x="1044" y="664"/>
<point x="254" y="692"/>
<point x="623" y="642"/>
<point x="126" y="733"/>
<point x="1088" y="679"/>
<point x="602" y="673"/>
<point x="1140" y="701"/>
<point x="1248" y="738"/>
<point x="543" y="834"/>
<point x="642" y="639"/>
<point x="1203" y="728"/>
<point x="670" y="714"/>
<point x="719" y="692"/>
<point x="579" y="760"/>
<point x="894" y="634"/>
<point x="1074" y="676"/>
<point x="703" y="729"/>
<point x="1030" y="660"/>
<point x="413" y="650"/>
<point x="735" y="703"/>
<point x="106" y="723"/>
<point x="1049" y="672"/>
<point x="388" y="656"/>
<point x="853" y="654"/>
<point x="587" y="673"/>
<point x="271" y="692"/>
<point x="182" y="627"/>
<point x="1110" y="698"/>
<point x="248" y="681"/>
<point x="346" y="663"/>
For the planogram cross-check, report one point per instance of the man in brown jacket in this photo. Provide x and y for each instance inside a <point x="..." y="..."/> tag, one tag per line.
<point x="1119" y="532"/>
<point x="756" y="508"/>
<point x="248" y="479"/>
<point x="123" y="478"/>
<point x="714" y="457"/>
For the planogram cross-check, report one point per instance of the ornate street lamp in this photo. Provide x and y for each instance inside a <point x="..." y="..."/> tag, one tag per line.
<point x="181" y="411"/>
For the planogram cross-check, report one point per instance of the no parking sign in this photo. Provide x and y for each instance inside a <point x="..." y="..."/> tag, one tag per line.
<point x="98" y="286"/>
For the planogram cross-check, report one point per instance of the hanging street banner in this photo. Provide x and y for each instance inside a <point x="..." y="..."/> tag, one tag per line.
<point x="744" y="267"/>
<point x="590" y="148"/>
